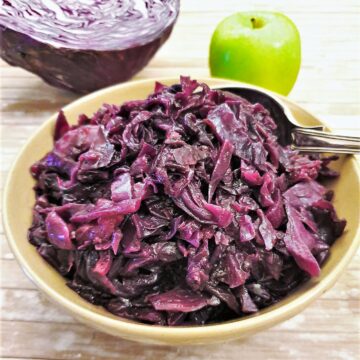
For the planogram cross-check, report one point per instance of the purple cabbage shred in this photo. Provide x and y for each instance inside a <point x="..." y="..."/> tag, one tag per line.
<point x="182" y="208"/>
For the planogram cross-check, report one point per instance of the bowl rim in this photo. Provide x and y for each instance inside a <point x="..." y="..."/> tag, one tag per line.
<point x="243" y="325"/>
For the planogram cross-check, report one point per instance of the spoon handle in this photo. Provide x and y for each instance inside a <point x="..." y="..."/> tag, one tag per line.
<point x="311" y="140"/>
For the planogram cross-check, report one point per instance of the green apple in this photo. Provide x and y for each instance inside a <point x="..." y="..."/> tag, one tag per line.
<point x="260" y="48"/>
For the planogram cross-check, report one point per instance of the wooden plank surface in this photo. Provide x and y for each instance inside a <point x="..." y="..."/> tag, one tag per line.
<point x="328" y="85"/>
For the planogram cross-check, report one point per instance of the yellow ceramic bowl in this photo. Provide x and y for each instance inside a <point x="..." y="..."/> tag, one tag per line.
<point x="19" y="199"/>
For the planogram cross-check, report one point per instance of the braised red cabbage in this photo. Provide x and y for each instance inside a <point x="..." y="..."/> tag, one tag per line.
<point x="84" y="45"/>
<point x="181" y="208"/>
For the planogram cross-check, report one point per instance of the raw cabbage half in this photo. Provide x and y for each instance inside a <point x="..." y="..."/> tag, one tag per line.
<point x="83" y="46"/>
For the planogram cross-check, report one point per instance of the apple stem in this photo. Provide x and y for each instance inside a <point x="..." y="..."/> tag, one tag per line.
<point x="256" y="23"/>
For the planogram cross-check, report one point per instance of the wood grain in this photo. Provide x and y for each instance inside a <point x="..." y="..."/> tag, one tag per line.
<point x="328" y="85"/>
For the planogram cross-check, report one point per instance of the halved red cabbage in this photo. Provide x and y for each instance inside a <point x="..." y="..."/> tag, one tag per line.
<point x="172" y="210"/>
<point x="84" y="46"/>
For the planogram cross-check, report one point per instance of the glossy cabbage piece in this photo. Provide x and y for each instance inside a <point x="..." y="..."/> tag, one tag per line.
<point x="84" y="47"/>
<point x="181" y="208"/>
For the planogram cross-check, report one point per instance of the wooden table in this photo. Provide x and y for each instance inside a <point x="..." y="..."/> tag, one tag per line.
<point x="328" y="85"/>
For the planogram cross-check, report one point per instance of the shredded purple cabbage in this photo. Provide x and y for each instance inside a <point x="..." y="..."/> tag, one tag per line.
<point x="181" y="208"/>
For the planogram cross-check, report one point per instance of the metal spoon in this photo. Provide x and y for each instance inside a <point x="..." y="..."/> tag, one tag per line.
<point x="307" y="139"/>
